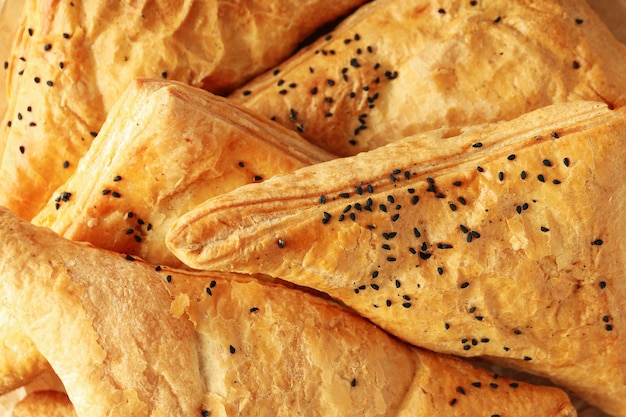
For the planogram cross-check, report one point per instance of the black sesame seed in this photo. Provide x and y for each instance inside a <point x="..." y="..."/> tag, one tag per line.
<point x="608" y="327"/>
<point x="541" y="178"/>
<point x="497" y="19"/>
<point x="501" y="175"/>
<point x="93" y="134"/>
<point x="484" y="340"/>
<point x="258" y="178"/>
<point x="440" y="270"/>
<point x="326" y="218"/>
<point x="406" y="305"/>
<point x="575" y="64"/>
<point x="117" y="178"/>
<point x="374" y="274"/>
<point x="49" y="83"/>
<point x="395" y="217"/>
<point x="547" y="162"/>
<point x="463" y="228"/>
<point x="382" y="207"/>
<point x="605" y="319"/>
<point x="66" y="164"/>
<point x="528" y="358"/>
<point x="472" y="309"/>
<point x="130" y="231"/>
<point x="355" y="63"/>
<point x="493" y="385"/>
<point x="523" y="175"/>
<point x="476" y="384"/>
<point x="479" y="318"/>
<point x="282" y="92"/>
<point x="597" y="242"/>
<point x="465" y="285"/>
<point x="386" y="246"/>
<point x="47" y="47"/>
<point x="344" y="195"/>
<point x="566" y="162"/>
<point x="280" y="243"/>
<point x="22" y="149"/>
<point x="205" y="413"/>
<point x="61" y="65"/>
<point x="322" y="199"/>
<point x="467" y="347"/>
<point x="555" y="135"/>
<point x="105" y="192"/>
<point x="129" y="258"/>
<point x="444" y="246"/>
<point x="517" y="331"/>
<point x="602" y="284"/>
<point x="452" y="206"/>
<point x="480" y="169"/>
<point x="138" y="239"/>
<point x="544" y="229"/>
<point x="330" y="82"/>
<point x="460" y="390"/>
<point x="391" y="259"/>
<point x="441" y="11"/>
<point x="232" y="349"/>
<point x="425" y="255"/>
<point x="116" y="194"/>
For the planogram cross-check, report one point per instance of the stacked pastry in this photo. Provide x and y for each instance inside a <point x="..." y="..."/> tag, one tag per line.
<point x="351" y="233"/>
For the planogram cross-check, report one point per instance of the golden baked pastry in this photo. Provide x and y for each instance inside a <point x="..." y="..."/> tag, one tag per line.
<point x="165" y="148"/>
<point x="503" y="242"/>
<point x="20" y="361"/>
<point x="44" y="404"/>
<point x="72" y="60"/>
<point x="139" y="340"/>
<point x="613" y="13"/>
<point x="9" y="12"/>
<point x="395" y="68"/>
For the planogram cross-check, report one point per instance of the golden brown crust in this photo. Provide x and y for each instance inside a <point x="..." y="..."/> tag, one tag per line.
<point x="140" y="340"/>
<point x="71" y="62"/>
<point x="20" y="361"/>
<point x="44" y="404"/>
<point x="396" y="68"/>
<point x="503" y="242"/>
<point x="9" y="18"/>
<point x="165" y="148"/>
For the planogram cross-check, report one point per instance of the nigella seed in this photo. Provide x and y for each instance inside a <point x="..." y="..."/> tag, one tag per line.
<point x="440" y="270"/>
<point x="414" y="199"/>
<point x="374" y="274"/>
<point x="608" y="327"/>
<point x="330" y="82"/>
<point x="347" y="208"/>
<point x="130" y="231"/>
<point x="477" y="145"/>
<point x="555" y="135"/>
<point x="444" y="246"/>
<point x="544" y="229"/>
<point x="22" y="149"/>
<point x="47" y="47"/>
<point x="547" y="163"/>
<point x="472" y="310"/>
<point x="597" y="242"/>
<point x="476" y="384"/>
<point x="575" y="64"/>
<point x="566" y="162"/>
<point x="605" y="319"/>
<point x="501" y="175"/>
<point x="344" y="195"/>
<point x="66" y="164"/>
<point x="391" y="259"/>
<point x="602" y="284"/>
<point x="116" y="194"/>
<point x="493" y="385"/>
<point x="375" y="287"/>
<point x="528" y="358"/>
<point x="541" y="178"/>
<point x="359" y="190"/>
<point x="106" y="192"/>
<point x="254" y="309"/>
<point x="463" y="228"/>
<point x="322" y="199"/>
<point x="517" y="331"/>
<point x="452" y="207"/>
<point x="245" y="92"/>
<point x="425" y="255"/>
<point x="383" y="207"/>
<point x="370" y="189"/>
<point x="169" y="278"/>
<point x="138" y="239"/>
<point x="465" y="285"/>
<point x="232" y="349"/>
<point x="280" y="243"/>
<point x="326" y="218"/>
<point x="416" y="232"/>
<point x="395" y="217"/>
<point x="462" y="200"/>
<point x="406" y="305"/>
<point x="523" y="175"/>
<point x="129" y="258"/>
<point x="511" y="157"/>
<point x="480" y="169"/>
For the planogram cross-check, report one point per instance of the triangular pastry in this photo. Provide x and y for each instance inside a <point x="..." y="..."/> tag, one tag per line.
<point x="72" y="60"/>
<point x="503" y="242"/>
<point x="395" y="68"/>
<point x="165" y="148"/>
<point x="128" y="338"/>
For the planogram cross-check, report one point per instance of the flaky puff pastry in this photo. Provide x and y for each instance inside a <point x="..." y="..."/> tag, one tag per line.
<point x="504" y="242"/>
<point x="395" y="68"/>
<point x="128" y="338"/>
<point x="72" y="60"/>
<point x="45" y="403"/>
<point x="9" y="13"/>
<point x="164" y="149"/>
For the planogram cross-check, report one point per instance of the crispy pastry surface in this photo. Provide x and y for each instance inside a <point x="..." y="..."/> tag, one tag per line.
<point x="72" y="60"/>
<point x="165" y="148"/>
<point x="503" y="242"/>
<point x="396" y="68"/>
<point x="45" y="403"/>
<point x="140" y="340"/>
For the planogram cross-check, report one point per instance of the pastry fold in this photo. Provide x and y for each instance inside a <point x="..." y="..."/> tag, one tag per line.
<point x="165" y="148"/>
<point x="139" y="340"/>
<point x="72" y="60"/>
<point x="396" y="68"/>
<point x="503" y="242"/>
<point x="44" y="403"/>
